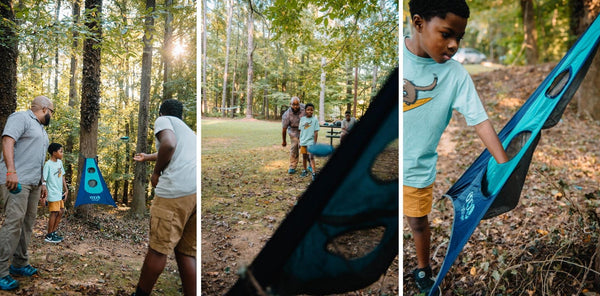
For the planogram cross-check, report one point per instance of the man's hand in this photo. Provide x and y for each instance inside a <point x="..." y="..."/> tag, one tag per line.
<point x="12" y="181"/>
<point x="154" y="180"/>
<point x="283" y="143"/>
<point x="44" y="201"/>
<point x="140" y="157"/>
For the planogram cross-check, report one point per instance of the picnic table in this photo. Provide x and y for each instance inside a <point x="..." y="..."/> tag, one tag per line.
<point x="331" y="134"/>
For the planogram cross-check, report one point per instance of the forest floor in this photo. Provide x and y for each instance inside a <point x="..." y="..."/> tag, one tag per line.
<point x="246" y="193"/>
<point x="547" y="244"/>
<point x="101" y="255"/>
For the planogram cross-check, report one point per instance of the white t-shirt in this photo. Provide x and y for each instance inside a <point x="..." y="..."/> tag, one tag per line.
<point x="178" y="179"/>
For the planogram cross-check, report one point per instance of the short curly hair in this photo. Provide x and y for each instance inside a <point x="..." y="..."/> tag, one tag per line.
<point x="428" y="9"/>
<point x="53" y="148"/>
<point x="171" y="107"/>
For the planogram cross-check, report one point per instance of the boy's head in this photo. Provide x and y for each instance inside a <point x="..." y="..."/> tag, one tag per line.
<point x="171" y="107"/>
<point x="55" y="150"/>
<point x="309" y="109"/>
<point x="438" y="27"/>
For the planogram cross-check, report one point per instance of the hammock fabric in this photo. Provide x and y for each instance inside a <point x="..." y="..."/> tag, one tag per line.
<point x="488" y="189"/>
<point x="345" y="197"/>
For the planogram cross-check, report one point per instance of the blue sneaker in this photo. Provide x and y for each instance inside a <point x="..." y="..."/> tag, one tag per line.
<point x="310" y="168"/>
<point x="291" y="171"/>
<point x="314" y="175"/>
<point x="24" y="271"/>
<point x="304" y="173"/>
<point x="8" y="283"/>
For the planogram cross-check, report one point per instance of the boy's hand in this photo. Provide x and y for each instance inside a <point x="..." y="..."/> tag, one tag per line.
<point x="65" y="195"/>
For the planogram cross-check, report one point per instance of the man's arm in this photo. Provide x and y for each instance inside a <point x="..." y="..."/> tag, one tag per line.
<point x="168" y="142"/>
<point x="283" y="132"/>
<point x="8" y="150"/>
<point x="490" y="139"/>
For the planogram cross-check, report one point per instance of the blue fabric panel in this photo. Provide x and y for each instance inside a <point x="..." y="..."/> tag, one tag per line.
<point x="93" y="189"/>
<point x="542" y="110"/>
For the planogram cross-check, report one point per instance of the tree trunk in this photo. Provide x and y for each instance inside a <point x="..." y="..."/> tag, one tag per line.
<point x="140" y="182"/>
<point x="56" y="20"/>
<point x="250" y="63"/>
<point x="355" y="91"/>
<point x="588" y="93"/>
<point x="72" y="94"/>
<point x="203" y="87"/>
<point x="374" y="83"/>
<point x="235" y="66"/>
<point x="227" y="43"/>
<point x="265" y="91"/>
<point x="167" y="53"/>
<point x="8" y="64"/>
<point x="322" y="94"/>
<point x="348" y="86"/>
<point x="90" y="90"/>
<point x="529" y="31"/>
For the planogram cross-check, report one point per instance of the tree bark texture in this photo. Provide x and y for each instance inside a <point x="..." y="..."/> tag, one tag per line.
<point x="322" y="94"/>
<point x="588" y="94"/>
<point x="168" y="52"/>
<point x="140" y="182"/>
<point x="90" y="90"/>
<point x="250" y="62"/>
<point x="226" y="67"/>
<point x="203" y="86"/>
<point x="8" y="65"/>
<point x="529" y="32"/>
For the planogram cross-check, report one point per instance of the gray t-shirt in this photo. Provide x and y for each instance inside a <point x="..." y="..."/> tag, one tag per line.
<point x="30" y="147"/>
<point x="178" y="179"/>
<point x="291" y="120"/>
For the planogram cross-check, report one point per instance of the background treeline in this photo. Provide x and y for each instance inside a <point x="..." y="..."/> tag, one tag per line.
<point x="258" y="54"/>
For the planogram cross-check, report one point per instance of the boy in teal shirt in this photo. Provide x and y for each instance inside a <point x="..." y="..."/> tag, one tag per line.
<point x="54" y="178"/>
<point x="309" y="132"/>
<point x="434" y="85"/>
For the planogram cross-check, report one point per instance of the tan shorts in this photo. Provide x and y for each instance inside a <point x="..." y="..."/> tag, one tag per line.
<point x="417" y="201"/>
<point x="173" y="225"/>
<point x="56" y="206"/>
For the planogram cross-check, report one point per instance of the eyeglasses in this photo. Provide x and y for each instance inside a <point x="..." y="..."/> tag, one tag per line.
<point x="51" y="110"/>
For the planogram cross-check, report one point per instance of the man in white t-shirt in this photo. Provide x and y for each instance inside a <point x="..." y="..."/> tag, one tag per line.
<point x="173" y="211"/>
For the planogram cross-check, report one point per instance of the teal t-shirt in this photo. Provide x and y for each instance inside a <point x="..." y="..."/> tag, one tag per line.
<point x="308" y="126"/>
<point x="53" y="174"/>
<point x="430" y="92"/>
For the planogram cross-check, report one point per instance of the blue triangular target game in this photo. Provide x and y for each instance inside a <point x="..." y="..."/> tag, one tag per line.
<point x="93" y="189"/>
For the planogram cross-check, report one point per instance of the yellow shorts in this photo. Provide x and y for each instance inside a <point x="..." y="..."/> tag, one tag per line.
<point x="173" y="225"/>
<point x="56" y="206"/>
<point x="303" y="149"/>
<point x="417" y="201"/>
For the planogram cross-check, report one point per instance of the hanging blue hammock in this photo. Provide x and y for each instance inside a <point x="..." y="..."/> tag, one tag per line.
<point x="488" y="189"/>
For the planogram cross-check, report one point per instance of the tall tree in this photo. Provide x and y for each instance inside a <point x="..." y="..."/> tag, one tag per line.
<point x="56" y="70"/>
<point x="90" y="89"/>
<point x="322" y="94"/>
<point x="167" y="53"/>
<point x="250" y="62"/>
<point x="204" y="41"/>
<point x="8" y="64"/>
<point x="72" y="91"/>
<point x="227" y="43"/>
<point x="140" y="183"/>
<point x="587" y="95"/>
<point x="530" y="32"/>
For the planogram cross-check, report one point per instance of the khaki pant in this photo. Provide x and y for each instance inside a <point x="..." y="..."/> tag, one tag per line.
<point x="294" y="151"/>
<point x="15" y="233"/>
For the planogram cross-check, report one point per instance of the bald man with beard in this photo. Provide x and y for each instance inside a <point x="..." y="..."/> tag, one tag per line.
<point x="24" y="145"/>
